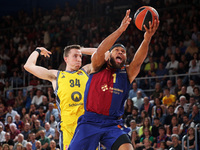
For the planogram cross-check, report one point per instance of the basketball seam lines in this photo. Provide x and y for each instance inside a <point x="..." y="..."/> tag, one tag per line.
<point x="144" y="19"/>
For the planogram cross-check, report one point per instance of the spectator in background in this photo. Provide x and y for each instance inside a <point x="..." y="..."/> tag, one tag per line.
<point x="29" y="146"/>
<point x="178" y="86"/>
<point x="148" y="144"/>
<point x="146" y="135"/>
<point x="172" y="65"/>
<point x="161" y="71"/>
<point x="170" y="86"/>
<point x="45" y="104"/>
<point x="185" y="62"/>
<point x="185" y="126"/>
<point x="19" y="123"/>
<point x="20" y="140"/>
<point x="11" y="113"/>
<point x="138" y="100"/>
<point x="37" y="99"/>
<point x="158" y="93"/>
<point x="147" y="106"/>
<point x="32" y="121"/>
<point x="45" y="141"/>
<point x="148" y="65"/>
<point x="51" y="111"/>
<point x="175" y="142"/>
<point x="53" y="122"/>
<point x="16" y="79"/>
<point x="53" y="145"/>
<point x="194" y="69"/>
<point x="11" y="99"/>
<point x="32" y="140"/>
<point x="41" y="115"/>
<point x="191" y="138"/>
<point x="183" y="103"/>
<point x="14" y="132"/>
<point x="38" y="145"/>
<point x="197" y="94"/>
<point x="128" y="108"/>
<point x="155" y="127"/>
<point x="38" y="128"/>
<point x="8" y="141"/>
<point x="26" y="131"/>
<point x="2" y="113"/>
<point x="192" y="102"/>
<point x="3" y="67"/>
<point x="180" y="114"/>
<point x="191" y="49"/>
<point x="195" y="114"/>
<point x="183" y="93"/>
<point x="19" y="101"/>
<point x="190" y="87"/>
<point x="133" y="92"/>
<point x="6" y="147"/>
<point x="33" y="111"/>
<point x="157" y="103"/>
<point x="145" y="125"/>
<point x="151" y="73"/>
<point x="159" y="113"/>
<point x="195" y="58"/>
<point x="135" y="140"/>
<point x="174" y="122"/>
<point x="133" y="127"/>
<point x="7" y="125"/>
<point x="168" y="99"/>
<point x="134" y="116"/>
<point x="49" y="132"/>
<point x="28" y="98"/>
<point x="162" y="137"/>
<point x="182" y="70"/>
<point x="2" y="135"/>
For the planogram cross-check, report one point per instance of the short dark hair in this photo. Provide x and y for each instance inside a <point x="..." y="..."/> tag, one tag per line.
<point x="68" y="48"/>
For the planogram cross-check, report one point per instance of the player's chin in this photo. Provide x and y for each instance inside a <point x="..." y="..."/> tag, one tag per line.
<point x="77" y="67"/>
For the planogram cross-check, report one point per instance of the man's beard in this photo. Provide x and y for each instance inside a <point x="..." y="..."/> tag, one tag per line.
<point x="114" y="65"/>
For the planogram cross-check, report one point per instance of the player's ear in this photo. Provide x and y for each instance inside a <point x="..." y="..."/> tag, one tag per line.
<point x="66" y="60"/>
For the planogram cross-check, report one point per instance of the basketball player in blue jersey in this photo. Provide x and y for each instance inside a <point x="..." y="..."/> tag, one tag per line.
<point x="106" y="90"/>
<point x="69" y="86"/>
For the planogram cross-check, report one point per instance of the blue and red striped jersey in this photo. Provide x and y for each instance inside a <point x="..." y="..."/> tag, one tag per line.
<point x="106" y="92"/>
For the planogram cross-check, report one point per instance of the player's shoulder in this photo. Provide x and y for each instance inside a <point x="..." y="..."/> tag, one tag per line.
<point x="54" y="73"/>
<point x="87" y="68"/>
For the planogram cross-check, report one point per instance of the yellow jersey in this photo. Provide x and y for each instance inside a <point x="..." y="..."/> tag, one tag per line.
<point x="169" y="100"/>
<point x="70" y="98"/>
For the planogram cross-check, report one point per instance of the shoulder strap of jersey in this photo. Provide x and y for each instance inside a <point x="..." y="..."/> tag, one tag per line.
<point x="55" y="91"/>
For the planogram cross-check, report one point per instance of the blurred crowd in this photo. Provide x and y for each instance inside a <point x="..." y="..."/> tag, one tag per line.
<point x="28" y="116"/>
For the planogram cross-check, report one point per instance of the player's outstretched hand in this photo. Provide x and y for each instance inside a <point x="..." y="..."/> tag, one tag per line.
<point x="152" y="29"/>
<point x="44" y="51"/>
<point x="126" y="21"/>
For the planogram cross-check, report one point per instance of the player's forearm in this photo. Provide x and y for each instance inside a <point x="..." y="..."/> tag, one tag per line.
<point x="88" y="51"/>
<point x="31" y="60"/>
<point x="142" y="51"/>
<point x="108" y="42"/>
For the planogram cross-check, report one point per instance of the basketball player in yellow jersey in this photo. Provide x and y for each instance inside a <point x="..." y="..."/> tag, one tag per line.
<point x="69" y="85"/>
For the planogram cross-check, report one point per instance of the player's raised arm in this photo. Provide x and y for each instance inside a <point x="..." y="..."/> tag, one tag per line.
<point x="98" y="57"/>
<point x="142" y="51"/>
<point x="39" y="71"/>
<point x="88" y="51"/>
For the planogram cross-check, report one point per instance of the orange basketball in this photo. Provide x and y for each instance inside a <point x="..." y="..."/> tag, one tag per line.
<point x="143" y="15"/>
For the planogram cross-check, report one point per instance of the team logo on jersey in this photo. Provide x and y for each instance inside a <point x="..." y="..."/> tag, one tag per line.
<point x="79" y="73"/>
<point x="76" y="96"/>
<point x="104" y="87"/>
<point x="63" y="75"/>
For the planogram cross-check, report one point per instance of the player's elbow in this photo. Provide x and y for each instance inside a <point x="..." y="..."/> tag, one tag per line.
<point x="26" y="67"/>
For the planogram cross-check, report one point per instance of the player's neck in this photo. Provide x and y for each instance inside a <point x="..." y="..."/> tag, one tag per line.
<point x="69" y="69"/>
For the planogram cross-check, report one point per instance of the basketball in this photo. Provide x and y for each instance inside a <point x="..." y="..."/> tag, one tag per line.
<point x="143" y="15"/>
